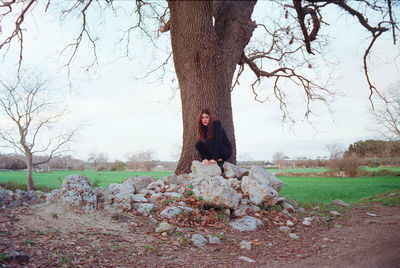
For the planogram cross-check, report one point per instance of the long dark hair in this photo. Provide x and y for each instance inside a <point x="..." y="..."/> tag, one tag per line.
<point x="201" y="129"/>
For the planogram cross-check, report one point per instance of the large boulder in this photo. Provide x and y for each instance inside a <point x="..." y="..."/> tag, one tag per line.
<point x="139" y="182"/>
<point x="199" y="170"/>
<point x="259" y="193"/>
<point x="77" y="192"/>
<point x="233" y="171"/>
<point x="265" y="177"/>
<point x="216" y="191"/>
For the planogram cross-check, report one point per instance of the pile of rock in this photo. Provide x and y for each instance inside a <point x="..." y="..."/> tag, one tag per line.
<point x="238" y="192"/>
<point x="10" y="199"/>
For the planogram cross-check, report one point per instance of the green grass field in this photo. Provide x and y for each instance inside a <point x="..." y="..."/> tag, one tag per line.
<point x="324" y="190"/>
<point x="322" y="170"/>
<point x="305" y="190"/>
<point x="54" y="179"/>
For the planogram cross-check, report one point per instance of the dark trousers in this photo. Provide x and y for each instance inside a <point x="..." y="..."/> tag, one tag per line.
<point x="206" y="150"/>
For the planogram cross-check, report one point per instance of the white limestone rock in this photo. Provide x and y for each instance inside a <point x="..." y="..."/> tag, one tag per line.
<point x="216" y="191"/>
<point x="53" y="197"/>
<point x="199" y="170"/>
<point x="120" y="196"/>
<point x="77" y="192"/>
<point x="173" y="195"/>
<point x="143" y="207"/>
<point x="212" y="239"/>
<point x="294" y="236"/>
<point x="259" y="193"/>
<point x="139" y="198"/>
<point x="164" y="227"/>
<point x="242" y="210"/>
<point x="285" y="229"/>
<point x="174" y="211"/>
<point x="245" y="245"/>
<point x="246" y="223"/>
<point x="265" y="177"/>
<point x="199" y="240"/>
<point x="140" y="182"/>
<point x="154" y="197"/>
<point x="233" y="171"/>
<point x="341" y="203"/>
<point x="234" y="183"/>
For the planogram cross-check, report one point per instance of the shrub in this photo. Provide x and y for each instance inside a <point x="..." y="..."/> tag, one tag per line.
<point x="349" y="164"/>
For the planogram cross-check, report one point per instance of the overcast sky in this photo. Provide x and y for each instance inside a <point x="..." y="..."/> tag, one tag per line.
<point x="124" y="114"/>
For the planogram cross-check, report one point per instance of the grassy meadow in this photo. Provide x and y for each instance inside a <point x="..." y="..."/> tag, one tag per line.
<point x="305" y="190"/>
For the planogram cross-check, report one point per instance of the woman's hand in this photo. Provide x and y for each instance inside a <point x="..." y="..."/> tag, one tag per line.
<point x="212" y="161"/>
<point x="206" y="162"/>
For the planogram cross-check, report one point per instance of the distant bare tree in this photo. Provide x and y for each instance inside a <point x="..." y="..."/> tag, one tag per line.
<point x="386" y="116"/>
<point x="335" y="150"/>
<point x="278" y="156"/>
<point x="98" y="161"/>
<point x="25" y="103"/>
<point x="142" y="160"/>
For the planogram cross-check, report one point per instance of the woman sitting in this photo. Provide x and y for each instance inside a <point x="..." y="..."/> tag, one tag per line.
<point x="213" y="145"/>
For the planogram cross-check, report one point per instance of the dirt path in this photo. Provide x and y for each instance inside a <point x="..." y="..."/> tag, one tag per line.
<point x="50" y="236"/>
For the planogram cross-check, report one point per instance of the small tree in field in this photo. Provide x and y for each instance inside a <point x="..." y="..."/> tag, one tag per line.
<point x="25" y="104"/>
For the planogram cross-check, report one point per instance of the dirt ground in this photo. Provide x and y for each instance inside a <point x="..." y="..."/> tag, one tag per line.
<point x="51" y="236"/>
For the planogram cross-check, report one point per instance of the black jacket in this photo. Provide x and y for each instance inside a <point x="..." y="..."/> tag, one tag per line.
<point x="220" y="138"/>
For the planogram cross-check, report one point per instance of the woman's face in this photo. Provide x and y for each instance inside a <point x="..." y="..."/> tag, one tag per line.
<point x="205" y="118"/>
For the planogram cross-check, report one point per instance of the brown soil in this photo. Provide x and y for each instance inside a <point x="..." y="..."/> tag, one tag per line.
<point x="51" y="236"/>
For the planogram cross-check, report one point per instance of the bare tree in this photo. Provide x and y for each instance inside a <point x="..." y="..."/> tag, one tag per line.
<point x="209" y="40"/>
<point x="335" y="150"/>
<point x="278" y="156"/>
<point x="142" y="160"/>
<point x="26" y="105"/>
<point x="98" y="161"/>
<point x="386" y="115"/>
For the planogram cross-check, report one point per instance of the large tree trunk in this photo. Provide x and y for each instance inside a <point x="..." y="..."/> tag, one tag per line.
<point x="29" y="163"/>
<point x="206" y="62"/>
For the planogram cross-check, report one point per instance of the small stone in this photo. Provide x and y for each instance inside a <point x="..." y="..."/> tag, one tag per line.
<point x="142" y="207"/>
<point x="335" y="213"/>
<point x="212" y="239"/>
<point x="257" y="215"/>
<point x="294" y="236"/>
<point x="371" y="214"/>
<point x="199" y="240"/>
<point x="245" y="245"/>
<point x="246" y="259"/>
<point x="307" y="223"/>
<point x="164" y="234"/>
<point x="337" y="225"/>
<point x="164" y="227"/>
<point x="139" y="198"/>
<point x="173" y="195"/>
<point x="285" y="229"/>
<point x="341" y="203"/>
<point x="171" y="212"/>
<point x="289" y="223"/>
<point x="246" y="223"/>
<point x="288" y="207"/>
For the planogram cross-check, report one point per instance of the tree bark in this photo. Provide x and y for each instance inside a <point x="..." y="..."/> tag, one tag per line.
<point x="206" y="62"/>
<point x="29" y="164"/>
